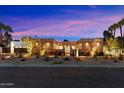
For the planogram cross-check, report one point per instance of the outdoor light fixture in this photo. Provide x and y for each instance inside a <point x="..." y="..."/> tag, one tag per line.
<point x="73" y="47"/>
<point x="36" y="43"/>
<point x="48" y="44"/>
<point x="97" y="44"/>
<point x="60" y="47"/>
<point x="87" y="44"/>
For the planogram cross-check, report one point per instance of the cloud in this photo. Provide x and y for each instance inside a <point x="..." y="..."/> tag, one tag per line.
<point x="63" y="28"/>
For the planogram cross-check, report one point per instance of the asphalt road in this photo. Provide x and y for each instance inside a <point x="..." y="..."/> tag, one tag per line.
<point x="62" y="77"/>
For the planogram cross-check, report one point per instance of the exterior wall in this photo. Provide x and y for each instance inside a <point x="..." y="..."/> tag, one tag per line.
<point x="91" y="45"/>
<point x="40" y="45"/>
<point x="17" y="47"/>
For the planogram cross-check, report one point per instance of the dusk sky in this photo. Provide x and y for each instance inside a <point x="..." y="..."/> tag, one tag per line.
<point x="60" y="22"/>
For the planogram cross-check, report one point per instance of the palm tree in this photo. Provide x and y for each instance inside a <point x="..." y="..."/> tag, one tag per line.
<point x="119" y="25"/>
<point x="112" y="32"/>
<point x="106" y="34"/>
<point x="1" y="37"/>
<point x="110" y="29"/>
<point x="122" y="23"/>
<point x="1" y="27"/>
<point x="114" y="28"/>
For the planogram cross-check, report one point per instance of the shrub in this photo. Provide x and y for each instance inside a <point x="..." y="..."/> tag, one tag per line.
<point x="66" y="59"/>
<point x="47" y="59"/>
<point x="37" y="56"/>
<point x="20" y="56"/>
<point x="100" y="54"/>
<point x="2" y="58"/>
<point x="56" y="56"/>
<point x="23" y="59"/>
<point x="77" y="59"/>
<point x="60" y="62"/>
<point x="86" y="54"/>
<point x="106" y="56"/>
<point x="120" y="57"/>
<point x="115" y="60"/>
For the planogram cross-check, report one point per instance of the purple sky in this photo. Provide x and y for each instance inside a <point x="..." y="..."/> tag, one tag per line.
<point x="60" y="22"/>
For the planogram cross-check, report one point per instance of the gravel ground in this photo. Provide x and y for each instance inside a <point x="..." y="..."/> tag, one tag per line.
<point x="41" y="62"/>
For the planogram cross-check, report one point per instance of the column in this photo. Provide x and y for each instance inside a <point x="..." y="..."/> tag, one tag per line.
<point x="12" y="48"/>
<point x="77" y="52"/>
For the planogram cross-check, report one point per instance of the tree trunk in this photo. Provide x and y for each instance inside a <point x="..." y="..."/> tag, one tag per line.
<point x="121" y="38"/>
<point x="121" y="31"/>
<point x="114" y="33"/>
<point x="1" y="39"/>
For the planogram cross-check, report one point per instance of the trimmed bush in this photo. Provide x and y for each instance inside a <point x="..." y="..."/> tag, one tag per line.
<point x="23" y="59"/>
<point x="115" y="60"/>
<point x="66" y="59"/>
<point x="60" y="62"/>
<point x="120" y="57"/>
<point x="47" y="59"/>
<point x="2" y="58"/>
<point x="20" y="56"/>
<point x="100" y="54"/>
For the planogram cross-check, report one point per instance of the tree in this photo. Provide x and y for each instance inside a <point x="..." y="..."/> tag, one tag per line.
<point x="65" y="40"/>
<point x="106" y="35"/>
<point x="111" y="46"/>
<point x="1" y="37"/>
<point x="5" y="36"/>
<point x="110" y="30"/>
<point x="28" y="43"/>
<point x="119" y="25"/>
<point x="114" y="26"/>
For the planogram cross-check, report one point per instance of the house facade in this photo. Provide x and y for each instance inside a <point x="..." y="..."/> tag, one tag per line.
<point x="51" y="47"/>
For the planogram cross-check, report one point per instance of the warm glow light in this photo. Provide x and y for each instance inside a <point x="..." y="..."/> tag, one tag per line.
<point x="48" y="44"/>
<point x="97" y="44"/>
<point x="36" y="43"/>
<point x="73" y="47"/>
<point x="87" y="44"/>
<point x="60" y="47"/>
